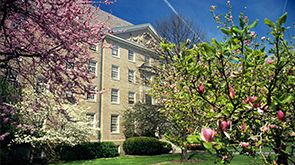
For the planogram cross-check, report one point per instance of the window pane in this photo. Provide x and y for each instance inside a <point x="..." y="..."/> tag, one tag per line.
<point x="130" y="55"/>
<point x="148" y="99"/>
<point x="114" y="123"/>
<point x="92" y="67"/>
<point x="91" y="95"/>
<point x="115" y="72"/>
<point x="115" y="50"/>
<point x="131" y="98"/>
<point x="115" y="96"/>
<point x="131" y="76"/>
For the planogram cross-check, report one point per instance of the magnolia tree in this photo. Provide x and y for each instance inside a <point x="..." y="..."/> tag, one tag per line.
<point x="48" y="41"/>
<point x="244" y="95"/>
<point x="49" y="127"/>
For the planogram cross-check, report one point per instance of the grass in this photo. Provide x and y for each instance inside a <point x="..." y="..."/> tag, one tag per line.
<point x="144" y="160"/>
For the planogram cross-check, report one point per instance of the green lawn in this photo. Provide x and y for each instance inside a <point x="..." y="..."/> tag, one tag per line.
<point x="142" y="160"/>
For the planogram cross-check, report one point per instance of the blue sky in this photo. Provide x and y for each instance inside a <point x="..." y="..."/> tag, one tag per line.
<point x="146" y="11"/>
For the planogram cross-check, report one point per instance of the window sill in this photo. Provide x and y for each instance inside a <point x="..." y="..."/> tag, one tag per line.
<point x="91" y="101"/>
<point x="116" y="56"/>
<point x="115" y="133"/>
<point x="131" y="61"/>
<point x="113" y="103"/>
<point x="115" y="79"/>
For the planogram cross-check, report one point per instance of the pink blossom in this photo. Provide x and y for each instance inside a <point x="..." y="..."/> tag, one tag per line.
<point x="228" y="2"/>
<point x="281" y="116"/>
<point x="170" y="76"/>
<point x="238" y="51"/>
<point x="264" y="129"/>
<point x="5" y="120"/>
<point x="104" y="91"/>
<point x="173" y="86"/>
<point x="231" y="17"/>
<point x="166" y="92"/>
<point x="212" y="109"/>
<point x="232" y="93"/>
<point x="245" y="41"/>
<point x="164" y="100"/>
<point x="270" y="61"/>
<point x="252" y="34"/>
<point x="151" y="83"/>
<point x="243" y="128"/>
<point x="246" y="17"/>
<point x="170" y="105"/>
<point x="18" y="126"/>
<point x="201" y="89"/>
<point x="212" y="7"/>
<point x="216" y="18"/>
<point x="251" y="100"/>
<point x="181" y="78"/>
<point x="245" y="145"/>
<point x="165" y="83"/>
<point x="223" y="125"/>
<point x="207" y="134"/>
<point x="272" y="126"/>
<point x="262" y="38"/>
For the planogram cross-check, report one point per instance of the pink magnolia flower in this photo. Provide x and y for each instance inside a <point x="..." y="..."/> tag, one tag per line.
<point x="244" y="144"/>
<point x="262" y="38"/>
<point x="201" y="89"/>
<point x="272" y="126"/>
<point x="212" y="7"/>
<point x="238" y="51"/>
<point x="231" y="17"/>
<point x="281" y="116"/>
<point x="173" y="86"/>
<point x="246" y="17"/>
<point x="251" y="100"/>
<point x="228" y="2"/>
<point x="232" y="93"/>
<point x="245" y="41"/>
<point x="264" y="129"/>
<point x="170" y="76"/>
<point x="207" y="134"/>
<point x="252" y="33"/>
<point x="181" y="78"/>
<point x="243" y="128"/>
<point x="164" y="100"/>
<point x="216" y="18"/>
<point x="18" y="126"/>
<point x="166" y="92"/>
<point x="212" y="109"/>
<point x="223" y="125"/>
<point x="270" y="61"/>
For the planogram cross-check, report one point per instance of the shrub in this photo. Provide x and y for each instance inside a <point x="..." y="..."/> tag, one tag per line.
<point x="145" y="146"/>
<point x="88" y="151"/>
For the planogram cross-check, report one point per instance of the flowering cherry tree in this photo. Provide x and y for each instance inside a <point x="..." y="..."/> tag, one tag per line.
<point x="45" y="43"/>
<point x="245" y="95"/>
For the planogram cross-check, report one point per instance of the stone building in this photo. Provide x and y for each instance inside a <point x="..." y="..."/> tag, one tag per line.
<point x="123" y="72"/>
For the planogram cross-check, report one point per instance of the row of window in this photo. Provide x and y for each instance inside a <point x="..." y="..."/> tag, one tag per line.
<point x="131" y="55"/>
<point x="114" y="122"/>
<point x="115" y="97"/>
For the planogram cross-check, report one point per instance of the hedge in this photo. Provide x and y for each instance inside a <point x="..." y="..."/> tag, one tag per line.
<point x="145" y="146"/>
<point x="85" y="151"/>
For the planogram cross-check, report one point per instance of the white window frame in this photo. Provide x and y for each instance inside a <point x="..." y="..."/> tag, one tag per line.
<point x="114" y="123"/>
<point x="114" y="71"/>
<point x="115" y="94"/>
<point x="115" y="50"/>
<point x="88" y="97"/>
<point x="147" y="60"/>
<point x="91" y="117"/>
<point x="131" y="53"/>
<point x="92" y="66"/>
<point x="131" y="76"/>
<point x="131" y="97"/>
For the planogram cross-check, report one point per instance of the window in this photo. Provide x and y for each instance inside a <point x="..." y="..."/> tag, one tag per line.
<point x="91" y="119"/>
<point x="147" y="60"/>
<point x="92" y="67"/>
<point x="131" y="98"/>
<point x="131" y="77"/>
<point x="91" y="95"/>
<point x="115" y="96"/>
<point x="115" y="123"/>
<point x="115" y="50"/>
<point x="131" y="56"/>
<point x="148" y="99"/>
<point x="148" y="79"/>
<point x="115" y="72"/>
<point x="41" y="84"/>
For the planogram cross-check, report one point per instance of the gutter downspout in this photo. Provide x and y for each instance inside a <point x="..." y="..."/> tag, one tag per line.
<point x="99" y="89"/>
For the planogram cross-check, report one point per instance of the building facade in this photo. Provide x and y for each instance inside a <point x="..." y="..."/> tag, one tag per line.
<point x="123" y="72"/>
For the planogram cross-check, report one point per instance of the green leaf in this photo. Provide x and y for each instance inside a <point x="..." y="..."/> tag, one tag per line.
<point x="237" y="30"/>
<point x="258" y="100"/>
<point x="192" y="139"/>
<point x="221" y="98"/>
<point x="208" y="146"/>
<point x="253" y="24"/>
<point x="282" y="19"/>
<point x="289" y="99"/>
<point x="214" y="42"/>
<point x="225" y="31"/>
<point x="269" y="23"/>
<point x="208" y="48"/>
<point x="242" y="22"/>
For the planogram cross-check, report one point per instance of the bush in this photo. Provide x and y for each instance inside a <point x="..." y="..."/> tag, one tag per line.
<point x="145" y="146"/>
<point x="88" y="151"/>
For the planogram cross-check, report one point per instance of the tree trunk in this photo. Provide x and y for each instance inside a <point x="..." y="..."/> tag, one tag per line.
<point x="184" y="154"/>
